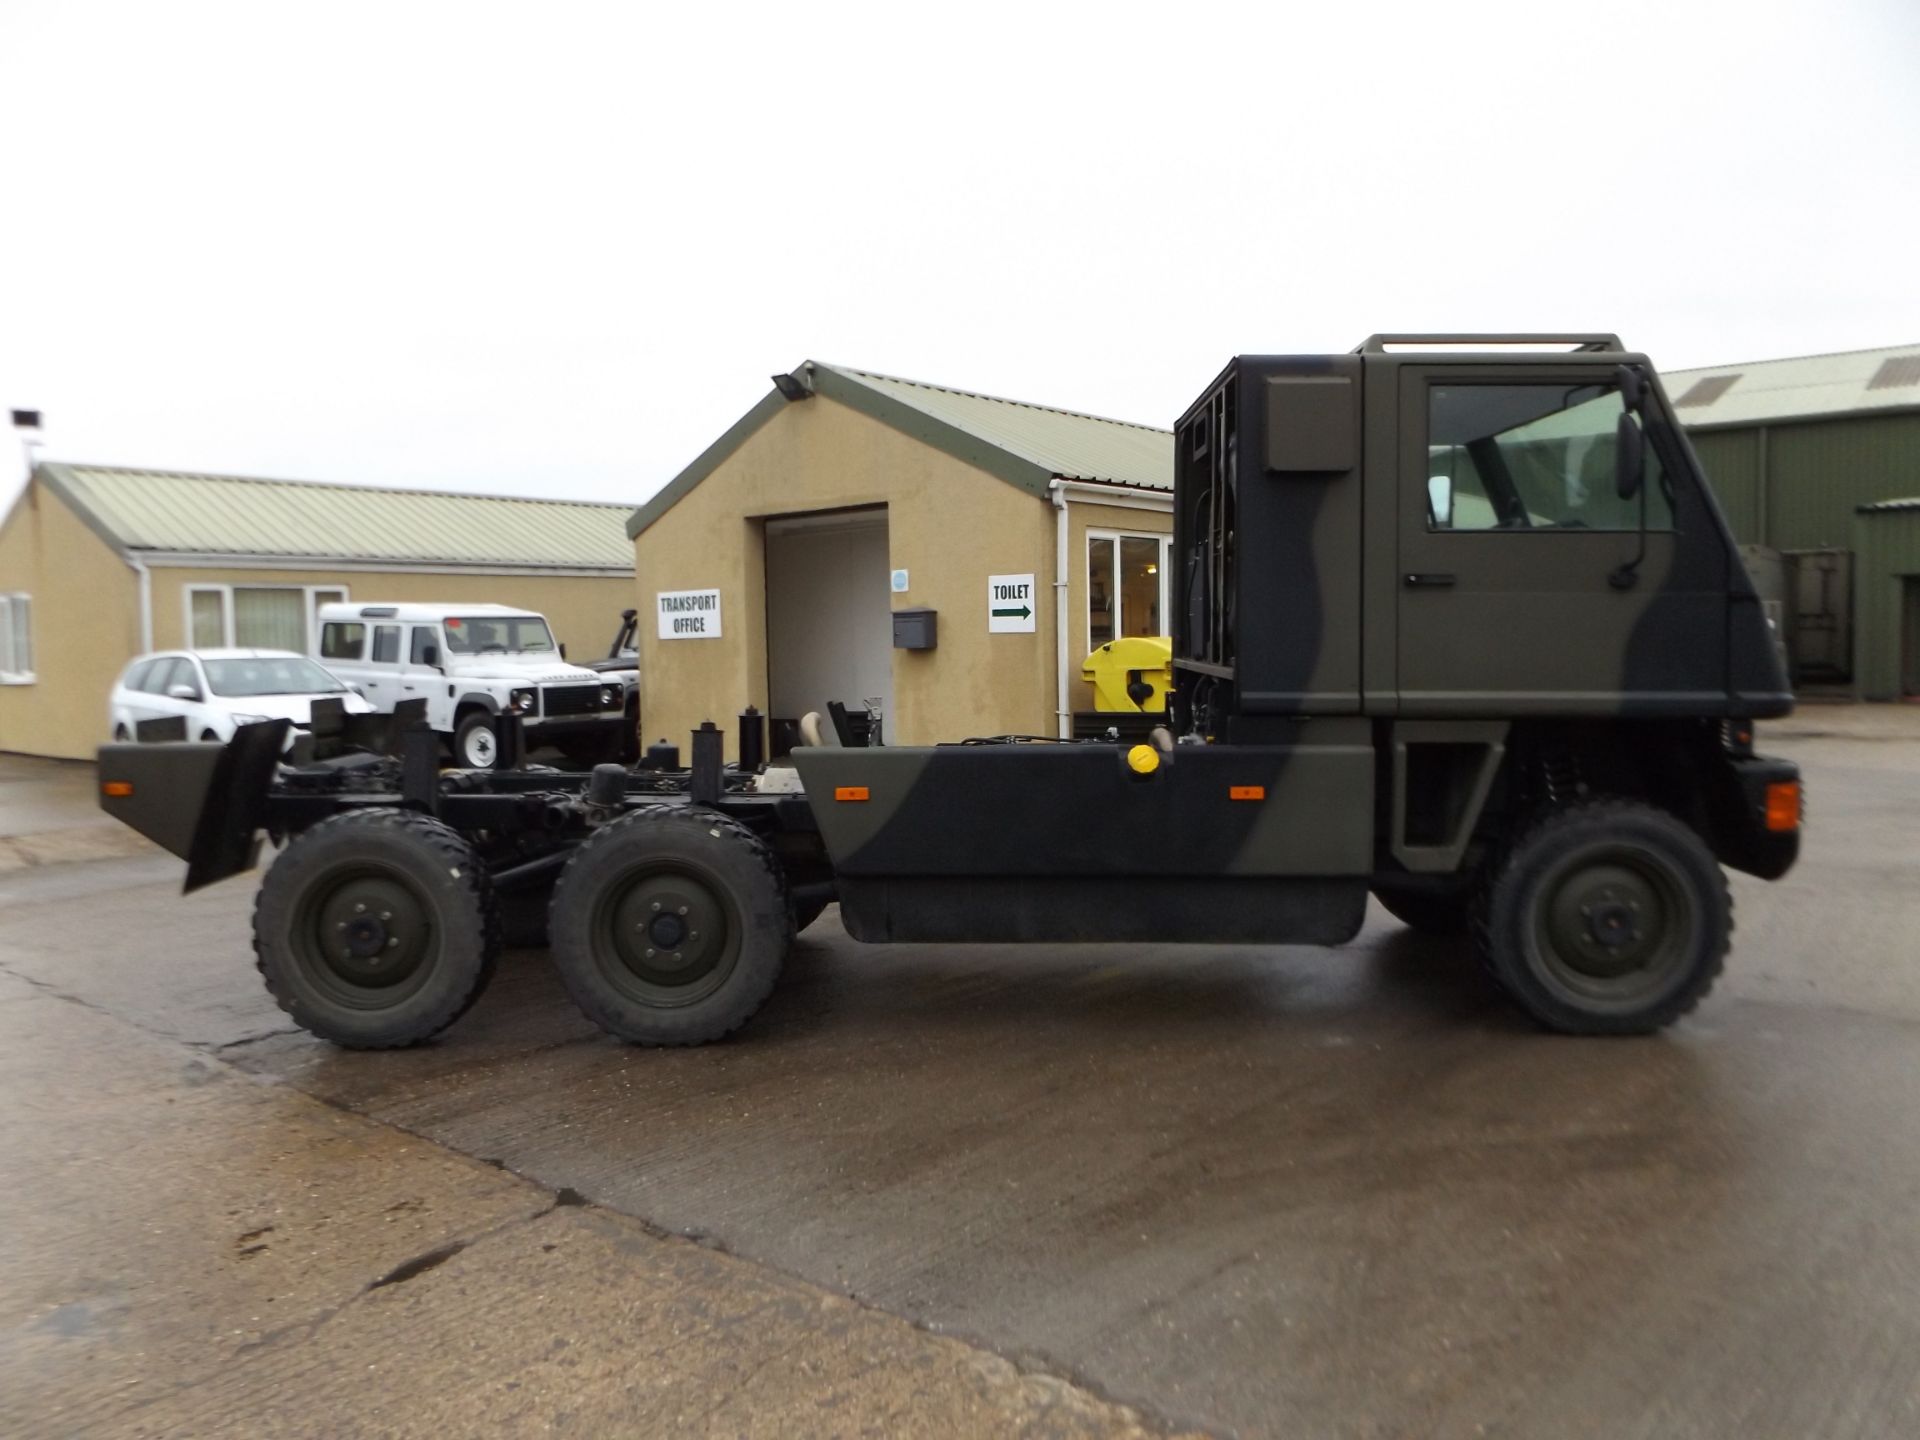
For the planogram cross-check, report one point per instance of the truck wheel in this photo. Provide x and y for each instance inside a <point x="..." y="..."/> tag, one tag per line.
<point x="1439" y="912"/>
<point x="669" y="926"/>
<point x="475" y="746"/>
<point x="1608" y="918"/>
<point x="376" y="929"/>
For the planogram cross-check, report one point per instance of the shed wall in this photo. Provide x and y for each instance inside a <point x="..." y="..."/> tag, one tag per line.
<point x="86" y="625"/>
<point x="949" y="524"/>
<point x="1887" y="551"/>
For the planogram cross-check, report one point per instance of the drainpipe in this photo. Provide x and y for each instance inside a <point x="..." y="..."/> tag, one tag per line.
<point x="1063" y="712"/>
<point x="146" y="604"/>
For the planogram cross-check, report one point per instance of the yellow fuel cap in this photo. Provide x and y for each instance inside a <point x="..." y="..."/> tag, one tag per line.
<point x="1143" y="759"/>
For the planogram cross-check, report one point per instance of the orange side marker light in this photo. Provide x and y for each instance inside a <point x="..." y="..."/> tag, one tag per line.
<point x="119" y="789"/>
<point x="1246" y="792"/>
<point x="1783" y="806"/>
<point x="850" y="792"/>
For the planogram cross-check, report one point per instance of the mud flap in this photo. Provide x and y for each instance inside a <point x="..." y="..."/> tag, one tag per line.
<point x="205" y="803"/>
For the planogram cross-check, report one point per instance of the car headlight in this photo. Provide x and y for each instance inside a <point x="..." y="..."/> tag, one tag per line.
<point x="609" y="697"/>
<point x="521" y="702"/>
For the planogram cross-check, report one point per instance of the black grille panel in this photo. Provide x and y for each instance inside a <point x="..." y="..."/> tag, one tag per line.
<point x="571" y="699"/>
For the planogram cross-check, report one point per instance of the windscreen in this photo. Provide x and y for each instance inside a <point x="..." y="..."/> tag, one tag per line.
<point x="499" y="634"/>
<point x="270" y="675"/>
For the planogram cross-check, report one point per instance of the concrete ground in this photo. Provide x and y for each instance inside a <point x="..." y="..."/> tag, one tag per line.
<point x="973" y="1190"/>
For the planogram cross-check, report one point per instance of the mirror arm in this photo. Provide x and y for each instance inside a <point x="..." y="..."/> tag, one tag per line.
<point x="1626" y="575"/>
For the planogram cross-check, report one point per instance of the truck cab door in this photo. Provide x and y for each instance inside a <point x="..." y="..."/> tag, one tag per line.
<point x="423" y="677"/>
<point x="1519" y="588"/>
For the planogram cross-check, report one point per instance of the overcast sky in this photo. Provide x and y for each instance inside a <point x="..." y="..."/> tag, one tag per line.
<point x="557" y="249"/>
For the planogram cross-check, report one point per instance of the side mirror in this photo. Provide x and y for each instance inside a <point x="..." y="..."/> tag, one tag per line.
<point x="183" y="692"/>
<point x="1629" y="457"/>
<point x="563" y="649"/>
<point x="430" y="655"/>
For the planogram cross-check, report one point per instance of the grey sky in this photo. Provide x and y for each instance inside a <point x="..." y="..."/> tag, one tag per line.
<point x="557" y="249"/>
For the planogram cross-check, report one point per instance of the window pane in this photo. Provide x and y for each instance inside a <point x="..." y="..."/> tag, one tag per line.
<point x="209" y="620"/>
<point x="386" y="644"/>
<point x="1532" y="457"/>
<point x="270" y="619"/>
<point x="340" y="640"/>
<point x="1100" y="591"/>
<point x="1139" y="585"/>
<point x="423" y="636"/>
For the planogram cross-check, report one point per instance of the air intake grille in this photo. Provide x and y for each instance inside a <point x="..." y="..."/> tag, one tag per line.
<point x="571" y="699"/>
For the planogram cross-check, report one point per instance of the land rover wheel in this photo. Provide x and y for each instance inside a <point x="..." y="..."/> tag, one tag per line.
<point x="669" y="926"/>
<point x="475" y="746"/>
<point x="376" y="929"/>
<point x="1608" y="918"/>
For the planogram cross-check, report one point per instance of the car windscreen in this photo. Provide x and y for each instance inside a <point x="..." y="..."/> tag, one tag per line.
<point x="497" y="634"/>
<point x="270" y="675"/>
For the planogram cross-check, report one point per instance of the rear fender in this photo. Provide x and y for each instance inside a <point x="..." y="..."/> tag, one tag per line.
<point x="205" y="803"/>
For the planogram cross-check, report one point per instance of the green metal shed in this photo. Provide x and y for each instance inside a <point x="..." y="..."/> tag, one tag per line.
<point x="1794" y="448"/>
<point x="1886" y="539"/>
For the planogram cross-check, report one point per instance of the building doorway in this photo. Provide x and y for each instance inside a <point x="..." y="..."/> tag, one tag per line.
<point x="829" y="614"/>
<point x="1910" y="636"/>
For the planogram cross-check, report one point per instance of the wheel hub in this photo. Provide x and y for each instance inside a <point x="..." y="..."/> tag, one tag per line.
<point x="371" y="931"/>
<point x="670" y="933"/>
<point x="1607" y="920"/>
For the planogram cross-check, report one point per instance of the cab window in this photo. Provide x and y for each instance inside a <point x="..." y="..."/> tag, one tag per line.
<point x="425" y="638"/>
<point x="342" y="640"/>
<point x="1537" y="456"/>
<point x="386" y="644"/>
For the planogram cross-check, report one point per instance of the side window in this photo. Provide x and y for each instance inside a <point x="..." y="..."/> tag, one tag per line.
<point x="386" y="644"/>
<point x="1537" y="456"/>
<point x="166" y="674"/>
<point x="136" y="678"/>
<point x="425" y="637"/>
<point x="342" y="640"/>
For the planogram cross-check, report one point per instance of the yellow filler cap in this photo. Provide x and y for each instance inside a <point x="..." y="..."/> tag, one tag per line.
<point x="1143" y="759"/>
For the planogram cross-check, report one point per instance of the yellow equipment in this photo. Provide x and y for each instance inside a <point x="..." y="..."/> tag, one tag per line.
<point x="1130" y="675"/>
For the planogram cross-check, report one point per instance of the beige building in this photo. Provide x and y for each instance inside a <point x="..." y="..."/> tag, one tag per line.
<point x="99" y="564"/>
<point x="773" y="569"/>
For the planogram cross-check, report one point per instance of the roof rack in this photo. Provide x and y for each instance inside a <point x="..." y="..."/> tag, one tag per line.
<point x="1583" y="342"/>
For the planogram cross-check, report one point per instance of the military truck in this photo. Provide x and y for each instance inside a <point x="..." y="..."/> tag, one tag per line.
<point x="1457" y="623"/>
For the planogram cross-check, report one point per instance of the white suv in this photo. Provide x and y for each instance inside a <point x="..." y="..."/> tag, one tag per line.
<point x="470" y="663"/>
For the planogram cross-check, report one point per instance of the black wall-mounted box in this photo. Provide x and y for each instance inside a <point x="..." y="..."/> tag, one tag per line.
<point x="916" y="629"/>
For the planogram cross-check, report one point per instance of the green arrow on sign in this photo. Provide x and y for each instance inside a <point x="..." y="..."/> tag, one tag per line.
<point x="1023" y="612"/>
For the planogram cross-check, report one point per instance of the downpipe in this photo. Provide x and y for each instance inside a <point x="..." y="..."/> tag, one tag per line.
<point x="1062" y="557"/>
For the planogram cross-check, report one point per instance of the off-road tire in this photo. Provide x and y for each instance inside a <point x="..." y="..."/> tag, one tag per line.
<point x="472" y="721"/>
<point x="637" y="963"/>
<point x="444" y="944"/>
<point x="1429" y="912"/>
<point x="1602" y="887"/>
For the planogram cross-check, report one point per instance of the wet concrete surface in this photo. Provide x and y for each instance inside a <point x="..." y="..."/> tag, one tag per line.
<point x="1263" y="1191"/>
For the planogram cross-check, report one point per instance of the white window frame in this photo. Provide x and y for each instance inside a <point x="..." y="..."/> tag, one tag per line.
<point x="11" y="672"/>
<point x="1113" y="539"/>
<point x="225" y="592"/>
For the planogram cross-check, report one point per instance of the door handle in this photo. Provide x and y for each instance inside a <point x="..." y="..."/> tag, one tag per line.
<point x="1431" y="580"/>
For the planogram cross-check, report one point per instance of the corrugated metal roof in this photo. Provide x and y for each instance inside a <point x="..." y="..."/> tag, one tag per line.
<point x="1803" y="387"/>
<point x="1062" y="442"/>
<point x="169" y="511"/>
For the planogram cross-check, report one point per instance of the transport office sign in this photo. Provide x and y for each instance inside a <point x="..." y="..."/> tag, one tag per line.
<point x="688" y="614"/>
<point x="1010" y="605"/>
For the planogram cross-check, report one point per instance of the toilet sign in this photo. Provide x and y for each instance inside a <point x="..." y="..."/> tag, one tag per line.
<point x="688" y="614"/>
<point x="1010" y="604"/>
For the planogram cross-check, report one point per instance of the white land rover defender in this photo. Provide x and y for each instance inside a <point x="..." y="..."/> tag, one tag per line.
<point x="470" y="663"/>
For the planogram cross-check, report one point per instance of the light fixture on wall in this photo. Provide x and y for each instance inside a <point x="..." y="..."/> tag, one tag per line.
<point x="792" y="387"/>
